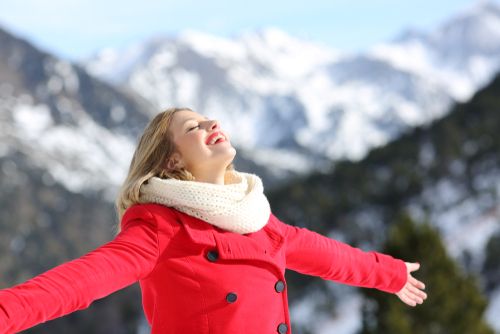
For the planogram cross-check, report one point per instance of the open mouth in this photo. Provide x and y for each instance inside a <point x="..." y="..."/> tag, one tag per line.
<point x="216" y="138"/>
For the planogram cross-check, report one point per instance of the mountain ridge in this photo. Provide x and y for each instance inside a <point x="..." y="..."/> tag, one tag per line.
<point x="389" y="89"/>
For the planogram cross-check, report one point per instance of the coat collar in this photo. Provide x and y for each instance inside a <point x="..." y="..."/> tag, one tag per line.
<point x="199" y="231"/>
<point x="261" y="245"/>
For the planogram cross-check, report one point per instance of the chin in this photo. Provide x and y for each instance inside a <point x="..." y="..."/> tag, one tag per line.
<point x="231" y="156"/>
<point x="230" y="150"/>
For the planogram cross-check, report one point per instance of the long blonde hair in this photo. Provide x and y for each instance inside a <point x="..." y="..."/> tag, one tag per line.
<point x="155" y="146"/>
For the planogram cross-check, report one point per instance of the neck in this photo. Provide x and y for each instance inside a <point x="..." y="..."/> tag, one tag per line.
<point x="210" y="176"/>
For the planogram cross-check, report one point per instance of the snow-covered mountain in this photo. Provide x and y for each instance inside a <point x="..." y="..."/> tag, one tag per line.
<point x="461" y="54"/>
<point x="272" y="91"/>
<point x="246" y="84"/>
<point x="80" y="130"/>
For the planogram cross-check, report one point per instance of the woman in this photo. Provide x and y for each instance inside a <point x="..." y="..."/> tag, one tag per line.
<point x="201" y="240"/>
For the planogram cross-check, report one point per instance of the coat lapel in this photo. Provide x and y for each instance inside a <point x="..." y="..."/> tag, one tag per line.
<point x="262" y="245"/>
<point x="198" y="231"/>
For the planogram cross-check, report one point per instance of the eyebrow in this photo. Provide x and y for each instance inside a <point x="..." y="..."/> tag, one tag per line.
<point x="194" y="119"/>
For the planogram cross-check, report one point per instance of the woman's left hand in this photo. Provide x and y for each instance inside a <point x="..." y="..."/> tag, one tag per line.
<point x="411" y="293"/>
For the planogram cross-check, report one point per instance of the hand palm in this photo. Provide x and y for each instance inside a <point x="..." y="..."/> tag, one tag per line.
<point x="411" y="293"/>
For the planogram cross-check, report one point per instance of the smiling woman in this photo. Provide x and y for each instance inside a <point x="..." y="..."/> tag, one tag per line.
<point x="206" y="160"/>
<point x="202" y="242"/>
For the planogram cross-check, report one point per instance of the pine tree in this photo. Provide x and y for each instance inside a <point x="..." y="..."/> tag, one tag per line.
<point x="454" y="304"/>
<point x="491" y="266"/>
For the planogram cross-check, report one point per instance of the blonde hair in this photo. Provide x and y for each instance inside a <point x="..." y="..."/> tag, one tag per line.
<point x="155" y="146"/>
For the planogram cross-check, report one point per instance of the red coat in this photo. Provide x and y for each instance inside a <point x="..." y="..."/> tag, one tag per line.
<point x="197" y="278"/>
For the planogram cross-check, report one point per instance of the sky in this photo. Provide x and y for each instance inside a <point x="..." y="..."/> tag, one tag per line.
<point x="77" y="29"/>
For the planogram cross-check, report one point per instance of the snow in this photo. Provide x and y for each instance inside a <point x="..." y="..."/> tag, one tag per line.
<point x="301" y="312"/>
<point x="4" y="148"/>
<point x="422" y="81"/>
<point x="282" y="160"/>
<point x="213" y="46"/>
<point x="493" y="311"/>
<point x="63" y="76"/>
<point x="397" y="55"/>
<point x="466" y="223"/>
<point x="346" y="319"/>
<point x="68" y="75"/>
<point x="113" y="65"/>
<point x="149" y="82"/>
<point x="118" y="113"/>
<point x="425" y="63"/>
<point x="460" y="54"/>
<point x="317" y="84"/>
<point x="288" y="57"/>
<point x="481" y="68"/>
<point x="6" y="90"/>
<point x="98" y="157"/>
<point x="187" y="86"/>
<point x="54" y="85"/>
<point x="82" y="156"/>
<point x="165" y="57"/>
<point x="32" y="120"/>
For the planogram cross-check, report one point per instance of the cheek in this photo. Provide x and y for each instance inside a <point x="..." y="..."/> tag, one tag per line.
<point x="192" y="143"/>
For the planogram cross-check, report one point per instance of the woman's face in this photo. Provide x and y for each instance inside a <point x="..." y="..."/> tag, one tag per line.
<point x="202" y="147"/>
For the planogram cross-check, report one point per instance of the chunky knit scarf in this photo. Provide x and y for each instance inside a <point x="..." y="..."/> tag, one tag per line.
<point x="239" y="205"/>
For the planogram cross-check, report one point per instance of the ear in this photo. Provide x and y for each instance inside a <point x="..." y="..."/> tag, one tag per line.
<point x="174" y="162"/>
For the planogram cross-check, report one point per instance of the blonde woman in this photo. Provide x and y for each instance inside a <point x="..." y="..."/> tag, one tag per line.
<point x="201" y="240"/>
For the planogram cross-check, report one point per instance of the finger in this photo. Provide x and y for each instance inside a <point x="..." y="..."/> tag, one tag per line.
<point x="402" y="297"/>
<point x="407" y="300"/>
<point x="421" y="294"/>
<point x="412" y="280"/>
<point x="416" y="299"/>
<point x="417" y="290"/>
<point x="412" y="266"/>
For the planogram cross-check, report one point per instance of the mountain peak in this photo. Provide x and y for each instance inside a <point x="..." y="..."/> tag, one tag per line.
<point x="481" y="7"/>
<point x="270" y="35"/>
<point x="275" y="38"/>
<point x="481" y="12"/>
<point x="475" y="29"/>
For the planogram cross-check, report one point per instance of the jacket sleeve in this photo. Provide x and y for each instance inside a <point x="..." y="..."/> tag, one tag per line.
<point x="311" y="253"/>
<point x="74" y="285"/>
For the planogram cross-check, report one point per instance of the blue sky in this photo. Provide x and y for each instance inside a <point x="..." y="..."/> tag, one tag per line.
<point x="75" y="29"/>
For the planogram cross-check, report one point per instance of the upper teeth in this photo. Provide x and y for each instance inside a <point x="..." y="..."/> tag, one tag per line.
<point x="214" y="139"/>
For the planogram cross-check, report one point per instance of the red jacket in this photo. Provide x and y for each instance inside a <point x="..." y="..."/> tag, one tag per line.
<point x="197" y="278"/>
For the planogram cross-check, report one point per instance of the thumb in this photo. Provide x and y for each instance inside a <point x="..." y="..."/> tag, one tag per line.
<point x="412" y="266"/>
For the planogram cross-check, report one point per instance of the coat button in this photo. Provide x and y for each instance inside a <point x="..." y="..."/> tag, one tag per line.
<point x="231" y="297"/>
<point x="212" y="256"/>
<point x="282" y="328"/>
<point x="279" y="286"/>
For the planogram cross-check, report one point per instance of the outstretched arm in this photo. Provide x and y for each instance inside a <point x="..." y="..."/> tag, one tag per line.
<point x="311" y="253"/>
<point x="74" y="285"/>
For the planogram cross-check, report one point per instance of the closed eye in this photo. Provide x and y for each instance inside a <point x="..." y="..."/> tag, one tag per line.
<point x="194" y="127"/>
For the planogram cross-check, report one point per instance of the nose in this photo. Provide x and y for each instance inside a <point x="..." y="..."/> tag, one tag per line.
<point x="213" y="124"/>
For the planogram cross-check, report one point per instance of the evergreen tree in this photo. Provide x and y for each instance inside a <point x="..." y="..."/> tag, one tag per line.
<point x="454" y="304"/>
<point x="491" y="266"/>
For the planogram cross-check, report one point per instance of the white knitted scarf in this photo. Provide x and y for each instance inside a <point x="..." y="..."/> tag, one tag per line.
<point x="239" y="205"/>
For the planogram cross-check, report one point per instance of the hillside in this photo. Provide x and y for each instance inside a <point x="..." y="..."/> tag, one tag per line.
<point x="447" y="173"/>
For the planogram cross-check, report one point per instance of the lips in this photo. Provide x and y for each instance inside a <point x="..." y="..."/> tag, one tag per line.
<point x="213" y="135"/>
